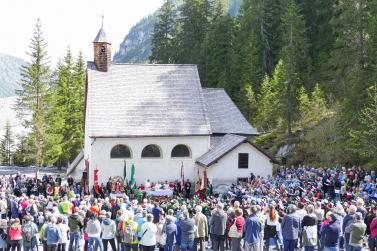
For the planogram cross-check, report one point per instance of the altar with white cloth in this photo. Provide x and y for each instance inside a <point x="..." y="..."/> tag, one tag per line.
<point x="159" y="192"/>
<point x="117" y="195"/>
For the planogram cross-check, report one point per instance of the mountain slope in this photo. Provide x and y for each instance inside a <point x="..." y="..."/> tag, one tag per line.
<point x="9" y="74"/>
<point x="136" y="46"/>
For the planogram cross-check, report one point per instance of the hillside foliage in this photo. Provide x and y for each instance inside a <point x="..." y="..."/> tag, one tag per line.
<point x="302" y="71"/>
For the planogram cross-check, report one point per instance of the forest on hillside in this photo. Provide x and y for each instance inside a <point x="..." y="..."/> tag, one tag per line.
<point x="302" y="71"/>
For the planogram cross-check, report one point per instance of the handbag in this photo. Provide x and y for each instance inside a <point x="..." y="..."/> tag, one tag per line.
<point x="233" y="232"/>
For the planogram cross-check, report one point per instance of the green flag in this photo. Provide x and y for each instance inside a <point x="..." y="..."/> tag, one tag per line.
<point x="132" y="180"/>
<point x="125" y="171"/>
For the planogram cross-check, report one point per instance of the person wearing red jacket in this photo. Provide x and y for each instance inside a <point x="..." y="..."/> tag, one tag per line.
<point x="373" y="233"/>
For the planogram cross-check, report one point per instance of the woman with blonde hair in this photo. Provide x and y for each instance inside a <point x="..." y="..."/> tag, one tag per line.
<point x="272" y="227"/>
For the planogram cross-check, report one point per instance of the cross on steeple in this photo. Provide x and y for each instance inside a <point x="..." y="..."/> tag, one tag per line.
<point x="102" y="16"/>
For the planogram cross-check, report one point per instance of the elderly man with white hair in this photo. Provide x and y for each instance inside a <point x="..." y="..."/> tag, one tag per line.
<point x="202" y="229"/>
<point x="347" y="221"/>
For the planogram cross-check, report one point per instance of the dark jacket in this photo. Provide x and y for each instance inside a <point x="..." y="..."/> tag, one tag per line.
<point x="331" y="233"/>
<point x="187" y="228"/>
<point x="309" y="220"/>
<point x="348" y="220"/>
<point x="290" y="227"/>
<point x="218" y="223"/>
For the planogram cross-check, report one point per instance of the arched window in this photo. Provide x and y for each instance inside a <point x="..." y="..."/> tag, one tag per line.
<point x="151" y="151"/>
<point x="120" y="151"/>
<point x="181" y="151"/>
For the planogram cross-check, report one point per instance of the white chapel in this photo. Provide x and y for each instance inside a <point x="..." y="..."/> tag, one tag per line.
<point x="158" y="118"/>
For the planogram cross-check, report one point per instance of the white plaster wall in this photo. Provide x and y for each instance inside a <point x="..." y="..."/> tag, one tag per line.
<point x="155" y="169"/>
<point x="226" y="169"/>
<point x="87" y="139"/>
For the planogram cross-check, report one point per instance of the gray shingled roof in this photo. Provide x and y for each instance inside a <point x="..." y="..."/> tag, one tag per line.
<point x="101" y="37"/>
<point x="224" y="116"/>
<point x="145" y="100"/>
<point x="220" y="149"/>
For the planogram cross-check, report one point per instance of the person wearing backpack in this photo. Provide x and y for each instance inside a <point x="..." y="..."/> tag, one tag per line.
<point x="15" y="235"/>
<point x="235" y="231"/>
<point x="29" y="230"/>
<point x="309" y="229"/>
<point x="108" y="232"/>
<point x="128" y="233"/>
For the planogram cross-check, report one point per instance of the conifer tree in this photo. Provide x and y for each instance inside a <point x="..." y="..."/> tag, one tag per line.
<point x="262" y="18"/>
<point x="216" y="66"/>
<point x="294" y="55"/>
<point x="7" y="145"/>
<point x="32" y="96"/>
<point x="268" y="104"/>
<point x="194" y="24"/>
<point x="365" y="138"/>
<point x="163" y="35"/>
<point x="65" y="116"/>
<point x="76" y="117"/>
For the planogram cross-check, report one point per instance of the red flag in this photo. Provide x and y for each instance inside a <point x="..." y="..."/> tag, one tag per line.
<point x="197" y="182"/>
<point x="182" y="176"/>
<point x="96" y="180"/>
<point x="204" y="179"/>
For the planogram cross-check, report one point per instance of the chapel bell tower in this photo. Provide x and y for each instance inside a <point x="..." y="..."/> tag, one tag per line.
<point x="102" y="50"/>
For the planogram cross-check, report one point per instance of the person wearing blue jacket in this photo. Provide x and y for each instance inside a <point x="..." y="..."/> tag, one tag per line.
<point x="290" y="228"/>
<point x="331" y="233"/>
<point x="52" y="235"/>
<point x="252" y="231"/>
<point x="171" y="231"/>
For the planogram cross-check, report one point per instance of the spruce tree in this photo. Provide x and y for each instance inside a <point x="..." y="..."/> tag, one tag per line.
<point x="76" y="117"/>
<point x="267" y="113"/>
<point x="216" y="66"/>
<point x="365" y="138"/>
<point x="65" y="131"/>
<point x="261" y="20"/>
<point x="7" y="145"/>
<point x="163" y="35"/>
<point x="295" y="61"/>
<point x="195" y="16"/>
<point x="32" y="96"/>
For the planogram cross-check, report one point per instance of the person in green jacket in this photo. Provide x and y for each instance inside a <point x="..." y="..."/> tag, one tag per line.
<point x="42" y="233"/>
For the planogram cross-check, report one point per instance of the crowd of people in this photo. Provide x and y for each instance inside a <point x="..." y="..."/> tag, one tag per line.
<point x="296" y="208"/>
